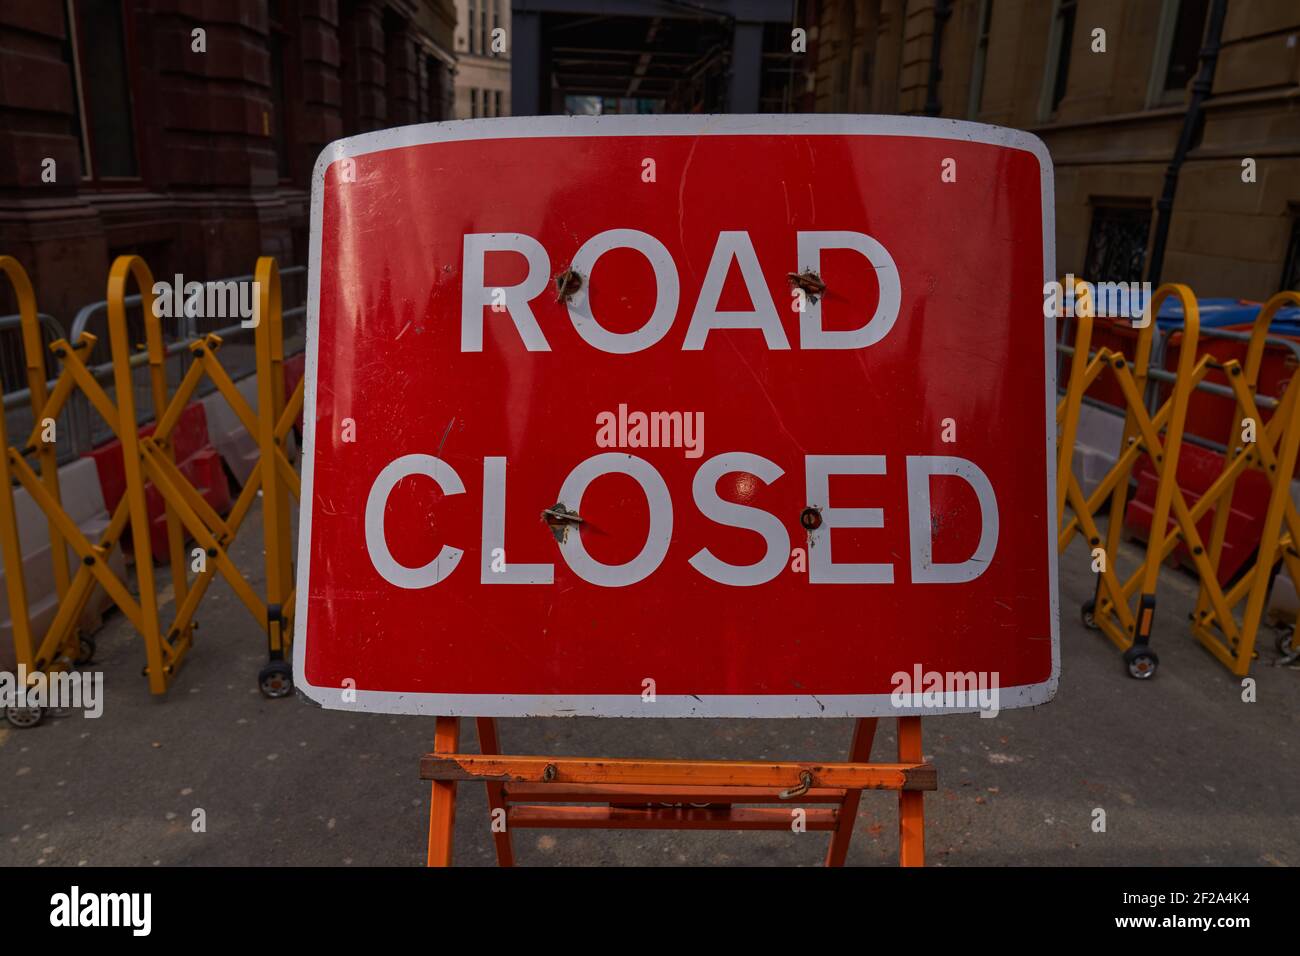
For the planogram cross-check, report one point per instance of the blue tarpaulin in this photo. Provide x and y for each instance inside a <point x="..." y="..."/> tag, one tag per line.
<point x="1218" y="313"/>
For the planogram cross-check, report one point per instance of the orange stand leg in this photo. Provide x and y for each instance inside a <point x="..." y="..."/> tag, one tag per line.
<point x="864" y="733"/>
<point x="911" y="803"/>
<point x="496" y="794"/>
<point x="442" y="808"/>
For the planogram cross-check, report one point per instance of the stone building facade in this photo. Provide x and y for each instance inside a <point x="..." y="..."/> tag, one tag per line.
<point x="186" y="130"/>
<point x="1108" y="85"/>
<point x="482" y="58"/>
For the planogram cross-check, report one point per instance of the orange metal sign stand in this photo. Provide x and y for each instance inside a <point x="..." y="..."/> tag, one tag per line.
<point x="631" y="794"/>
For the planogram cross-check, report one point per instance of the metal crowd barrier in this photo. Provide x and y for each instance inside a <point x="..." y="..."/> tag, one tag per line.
<point x="84" y="431"/>
<point x="239" y="356"/>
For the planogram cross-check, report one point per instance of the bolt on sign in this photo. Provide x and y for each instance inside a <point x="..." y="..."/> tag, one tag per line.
<point x="678" y="416"/>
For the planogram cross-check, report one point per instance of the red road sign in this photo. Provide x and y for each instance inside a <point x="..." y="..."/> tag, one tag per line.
<point x="753" y="510"/>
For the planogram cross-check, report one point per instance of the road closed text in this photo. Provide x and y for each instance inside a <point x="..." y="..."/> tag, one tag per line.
<point x="818" y="470"/>
<point x="734" y="247"/>
<point x="730" y="248"/>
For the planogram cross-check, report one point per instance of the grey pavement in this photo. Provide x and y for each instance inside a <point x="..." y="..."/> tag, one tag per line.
<point x="1186" y="772"/>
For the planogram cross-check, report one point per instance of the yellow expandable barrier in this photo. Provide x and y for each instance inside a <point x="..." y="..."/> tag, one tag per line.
<point x="150" y="459"/>
<point x="61" y="645"/>
<point x="1271" y="449"/>
<point x="1273" y="453"/>
<point x="1111" y="610"/>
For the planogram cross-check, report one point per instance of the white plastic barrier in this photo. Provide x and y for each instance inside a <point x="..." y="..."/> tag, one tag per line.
<point x="1100" y="433"/>
<point x="84" y="502"/>
<point x="228" y="435"/>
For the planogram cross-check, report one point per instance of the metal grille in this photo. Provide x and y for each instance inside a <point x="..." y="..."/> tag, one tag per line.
<point x="1117" y="244"/>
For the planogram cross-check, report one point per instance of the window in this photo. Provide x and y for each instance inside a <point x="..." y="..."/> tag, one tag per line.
<point x="473" y="26"/>
<point x="496" y="103"/>
<point x="1117" y="242"/>
<point x="69" y="52"/>
<point x="1057" y="75"/>
<point x="473" y="103"/>
<point x="106" y="117"/>
<point x="433" y="86"/>
<point x="1291" y="268"/>
<point x="277" y="41"/>
<point x="423" y="107"/>
<point x="1186" y="46"/>
<point x="348" y="79"/>
<point x="400" y="106"/>
<point x="1177" y="50"/>
<point x="482" y="27"/>
<point x="981" y="58"/>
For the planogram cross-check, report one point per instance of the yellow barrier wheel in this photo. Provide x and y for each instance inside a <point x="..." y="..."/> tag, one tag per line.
<point x="275" y="680"/>
<point x="85" y="650"/>
<point x="24" y="717"/>
<point x="1088" y="613"/>
<point x="1141" y="662"/>
<point x="1286" y="652"/>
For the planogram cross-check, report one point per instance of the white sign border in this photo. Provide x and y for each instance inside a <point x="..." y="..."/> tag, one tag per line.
<point x="665" y="705"/>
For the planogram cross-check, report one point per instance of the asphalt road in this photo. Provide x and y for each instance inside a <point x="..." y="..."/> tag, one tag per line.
<point x="1185" y="770"/>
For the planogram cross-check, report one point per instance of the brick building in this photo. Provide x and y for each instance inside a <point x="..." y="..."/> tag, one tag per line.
<point x="1111" y="118"/>
<point x="186" y="130"/>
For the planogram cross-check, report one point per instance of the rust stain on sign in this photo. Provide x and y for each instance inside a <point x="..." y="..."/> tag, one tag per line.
<point x="567" y="284"/>
<point x="560" y="519"/>
<point x="810" y="282"/>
